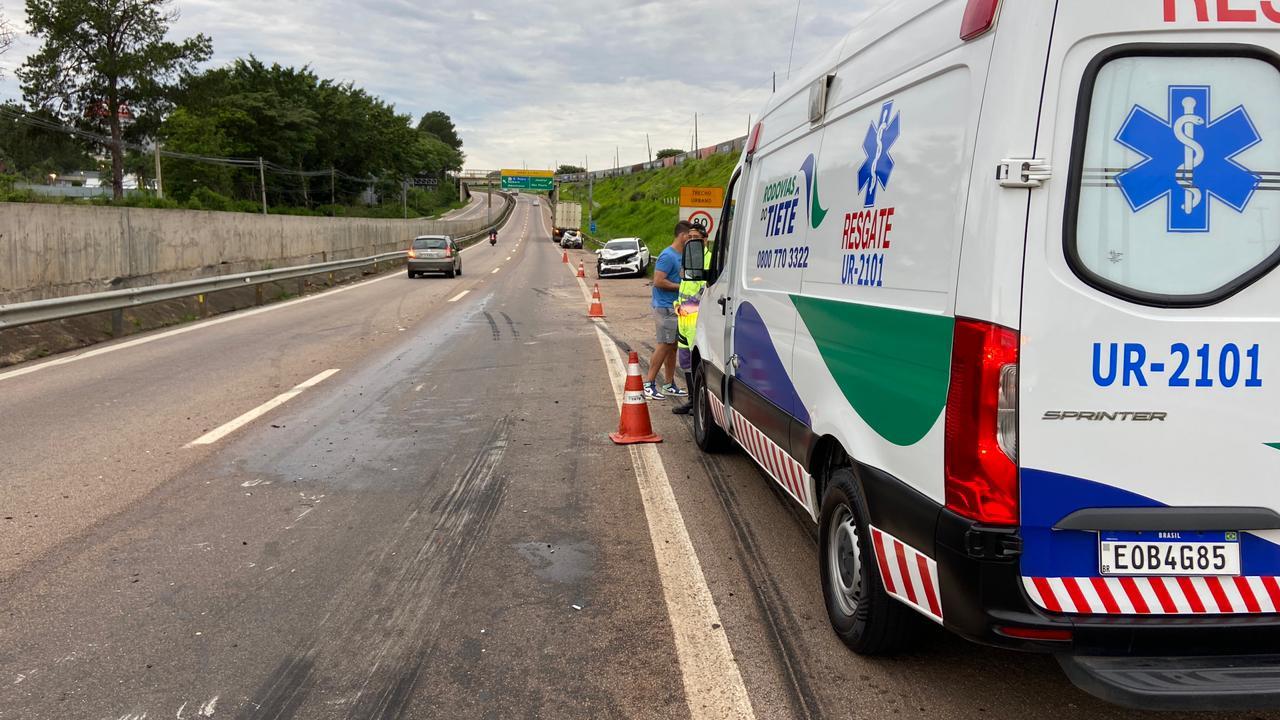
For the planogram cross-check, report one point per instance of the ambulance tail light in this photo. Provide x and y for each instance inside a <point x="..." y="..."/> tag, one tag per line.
<point x="982" y="425"/>
<point x="979" y="17"/>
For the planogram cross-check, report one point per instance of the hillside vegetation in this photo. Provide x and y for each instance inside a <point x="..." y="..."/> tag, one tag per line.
<point x="640" y="205"/>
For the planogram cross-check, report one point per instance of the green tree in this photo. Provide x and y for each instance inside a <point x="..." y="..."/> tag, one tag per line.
<point x="197" y="134"/>
<point x="99" y="57"/>
<point x="292" y="118"/>
<point x="438" y="123"/>
<point x="34" y="152"/>
<point x="570" y="170"/>
<point x="667" y="152"/>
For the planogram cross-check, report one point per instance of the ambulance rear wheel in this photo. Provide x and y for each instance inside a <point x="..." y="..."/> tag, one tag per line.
<point x="862" y="613"/>
<point x="709" y="436"/>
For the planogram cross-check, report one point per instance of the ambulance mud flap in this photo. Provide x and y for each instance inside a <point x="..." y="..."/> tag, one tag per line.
<point x="1242" y="682"/>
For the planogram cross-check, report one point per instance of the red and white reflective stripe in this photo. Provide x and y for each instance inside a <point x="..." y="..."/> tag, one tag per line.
<point x="634" y="369"/>
<point x="717" y="408"/>
<point x="783" y="468"/>
<point x="908" y="574"/>
<point x="1156" y="595"/>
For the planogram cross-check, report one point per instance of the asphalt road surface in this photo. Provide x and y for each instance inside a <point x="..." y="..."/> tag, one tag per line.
<point x="397" y="500"/>
<point x="475" y="208"/>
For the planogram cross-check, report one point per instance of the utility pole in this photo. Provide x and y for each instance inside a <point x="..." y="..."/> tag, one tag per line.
<point x="262" y="175"/>
<point x="649" y="146"/>
<point x="590" y="187"/>
<point x="695" y="133"/>
<point x="159" y="178"/>
<point x="404" y="197"/>
<point x="333" y="181"/>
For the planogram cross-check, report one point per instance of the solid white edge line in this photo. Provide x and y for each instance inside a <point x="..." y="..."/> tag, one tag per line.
<point x="217" y="434"/>
<point x="459" y="296"/>
<point x="494" y="271"/>
<point x="713" y="684"/>
<point x="239" y="315"/>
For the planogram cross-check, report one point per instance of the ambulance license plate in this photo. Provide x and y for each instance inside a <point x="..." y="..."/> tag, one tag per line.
<point x="1169" y="553"/>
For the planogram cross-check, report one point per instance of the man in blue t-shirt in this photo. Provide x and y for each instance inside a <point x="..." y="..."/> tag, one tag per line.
<point x="666" y="286"/>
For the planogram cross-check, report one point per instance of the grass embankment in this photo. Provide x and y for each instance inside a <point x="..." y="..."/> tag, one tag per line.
<point x="641" y="206"/>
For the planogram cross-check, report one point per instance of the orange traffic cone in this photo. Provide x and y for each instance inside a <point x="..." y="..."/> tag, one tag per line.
<point x="595" y="292"/>
<point x="582" y="271"/>
<point x="597" y="307"/>
<point x="634" y="426"/>
<point x="565" y="259"/>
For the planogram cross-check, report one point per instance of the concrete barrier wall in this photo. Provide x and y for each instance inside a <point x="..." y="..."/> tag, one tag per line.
<point x="51" y="251"/>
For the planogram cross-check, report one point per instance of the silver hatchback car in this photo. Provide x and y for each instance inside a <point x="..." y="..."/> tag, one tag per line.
<point x="434" y="253"/>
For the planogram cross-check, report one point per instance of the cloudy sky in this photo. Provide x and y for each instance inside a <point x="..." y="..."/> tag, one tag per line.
<point x="533" y="83"/>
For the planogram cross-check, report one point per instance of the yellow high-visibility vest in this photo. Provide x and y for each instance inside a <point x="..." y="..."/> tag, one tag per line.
<point x="687" y="302"/>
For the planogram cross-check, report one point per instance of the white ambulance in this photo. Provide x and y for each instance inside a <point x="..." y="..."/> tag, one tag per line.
<point x="994" y="300"/>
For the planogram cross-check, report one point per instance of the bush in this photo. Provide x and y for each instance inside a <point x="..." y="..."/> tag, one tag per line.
<point x="208" y="199"/>
<point x="151" y="201"/>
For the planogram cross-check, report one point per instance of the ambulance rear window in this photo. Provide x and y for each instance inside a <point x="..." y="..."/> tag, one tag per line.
<point x="1176" y="175"/>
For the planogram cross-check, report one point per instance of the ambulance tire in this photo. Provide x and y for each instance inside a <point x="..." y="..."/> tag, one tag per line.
<point x="709" y="436"/>
<point x="870" y="622"/>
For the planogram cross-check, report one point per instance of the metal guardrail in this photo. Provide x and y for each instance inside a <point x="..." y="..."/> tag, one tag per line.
<point x="38" y="311"/>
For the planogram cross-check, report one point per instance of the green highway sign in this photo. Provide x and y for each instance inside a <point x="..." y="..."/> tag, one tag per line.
<point x="528" y="180"/>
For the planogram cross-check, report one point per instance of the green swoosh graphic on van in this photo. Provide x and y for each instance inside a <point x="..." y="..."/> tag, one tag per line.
<point x="816" y="213"/>
<point x="893" y="366"/>
<point x="1273" y="445"/>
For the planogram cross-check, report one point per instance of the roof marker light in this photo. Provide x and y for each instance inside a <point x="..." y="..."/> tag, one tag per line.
<point x="753" y="142"/>
<point x="979" y="17"/>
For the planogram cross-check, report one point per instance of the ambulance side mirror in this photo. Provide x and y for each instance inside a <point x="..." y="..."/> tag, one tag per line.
<point x="694" y="261"/>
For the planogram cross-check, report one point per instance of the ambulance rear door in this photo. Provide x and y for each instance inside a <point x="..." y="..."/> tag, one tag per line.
<point x="1149" y="388"/>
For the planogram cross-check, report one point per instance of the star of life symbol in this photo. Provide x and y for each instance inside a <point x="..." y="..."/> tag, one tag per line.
<point x="874" y="173"/>
<point x="1188" y="159"/>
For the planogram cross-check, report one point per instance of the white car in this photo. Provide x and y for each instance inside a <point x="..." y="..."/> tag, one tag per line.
<point x="995" y="303"/>
<point x="622" y="257"/>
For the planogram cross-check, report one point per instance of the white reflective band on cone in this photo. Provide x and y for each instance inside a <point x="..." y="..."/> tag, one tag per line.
<point x="633" y="370"/>
<point x="633" y="398"/>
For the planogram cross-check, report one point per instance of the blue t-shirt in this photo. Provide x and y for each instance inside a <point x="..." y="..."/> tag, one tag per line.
<point x="671" y="263"/>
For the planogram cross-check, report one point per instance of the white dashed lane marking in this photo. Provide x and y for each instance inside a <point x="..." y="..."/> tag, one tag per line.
<point x="217" y="434"/>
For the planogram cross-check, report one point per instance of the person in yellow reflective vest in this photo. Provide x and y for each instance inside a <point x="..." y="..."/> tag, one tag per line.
<point x="688" y="299"/>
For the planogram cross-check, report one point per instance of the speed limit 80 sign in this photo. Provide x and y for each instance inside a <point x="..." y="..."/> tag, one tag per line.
<point x="701" y="206"/>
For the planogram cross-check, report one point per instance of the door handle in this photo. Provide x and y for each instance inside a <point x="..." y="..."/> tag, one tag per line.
<point x="724" y="305"/>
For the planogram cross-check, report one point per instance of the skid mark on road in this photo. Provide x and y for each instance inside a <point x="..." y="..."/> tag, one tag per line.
<point x="712" y="682"/>
<point x="769" y="599"/>
<point x="465" y="513"/>
<point x="493" y="325"/>
<point x="284" y="690"/>
<point x="511" y="324"/>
